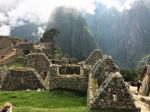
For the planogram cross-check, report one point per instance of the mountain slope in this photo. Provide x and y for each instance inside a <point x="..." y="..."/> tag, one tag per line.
<point x="75" y="37"/>
<point x="124" y="35"/>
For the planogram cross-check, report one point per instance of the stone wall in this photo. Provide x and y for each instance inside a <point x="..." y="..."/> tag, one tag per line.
<point x="17" y="41"/>
<point x="103" y="67"/>
<point x="5" y="46"/>
<point x="144" y="89"/>
<point x="69" y="69"/>
<point x="93" y="57"/>
<point x="22" y="79"/>
<point x="74" y="81"/>
<point x="92" y="89"/>
<point x="113" y="93"/>
<point x="11" y="58"/>
<point x="39" y="61"/>
<point x="3" y="72"/>
<point x="26" y="47"/>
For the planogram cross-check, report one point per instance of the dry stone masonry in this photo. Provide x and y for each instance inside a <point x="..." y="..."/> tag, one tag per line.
<point x="98" y="75"/>
<point x="113" y="93"/>
<point x="68" y="81"/>
<point x="94" y="57"/>
<point x="102" y="68"/>
<point x="39" y="61"/>
<point x="6" y="46"/>
<point x="22" y="79"/>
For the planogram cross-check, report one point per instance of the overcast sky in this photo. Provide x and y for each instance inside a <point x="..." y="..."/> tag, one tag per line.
<point x="15" y="12"/>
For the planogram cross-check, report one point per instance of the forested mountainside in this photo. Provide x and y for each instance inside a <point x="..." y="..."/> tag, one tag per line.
<point x="75" y="37"/>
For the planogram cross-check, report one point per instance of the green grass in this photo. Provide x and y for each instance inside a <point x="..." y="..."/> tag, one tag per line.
<point x="16" y="64"/>
<point x="48" y="101"/>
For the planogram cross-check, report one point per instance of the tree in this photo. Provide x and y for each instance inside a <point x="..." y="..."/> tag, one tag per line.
<point x="49" y="35"/>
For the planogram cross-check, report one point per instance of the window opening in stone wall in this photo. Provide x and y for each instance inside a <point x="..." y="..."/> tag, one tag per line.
<point x="114" y="97"/>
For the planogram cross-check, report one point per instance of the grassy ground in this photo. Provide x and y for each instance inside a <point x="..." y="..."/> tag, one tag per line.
<point x="16" y="64"/>
<point x="48" y="101"/>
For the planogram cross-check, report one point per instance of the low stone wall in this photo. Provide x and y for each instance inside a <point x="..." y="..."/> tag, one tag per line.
<point x="74" y="83"/>
<point x="12" y="58"/>
<point x="22" y="79"/>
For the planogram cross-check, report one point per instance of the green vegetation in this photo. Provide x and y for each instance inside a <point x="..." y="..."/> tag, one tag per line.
<point x="57" y="50"/>
<point x="16" y="64"/>
<point x="131" y="74"/>
<point x="49" y="35"/>
<point x="48" y="101"/>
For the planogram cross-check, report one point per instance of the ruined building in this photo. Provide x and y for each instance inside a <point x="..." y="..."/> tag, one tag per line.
<point x="6" y="46"/>
<point x="98" y="75"/>
<point x="22" y="79"/>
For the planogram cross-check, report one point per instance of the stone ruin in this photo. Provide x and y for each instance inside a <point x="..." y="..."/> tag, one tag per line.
<point x="98" y="76"/>
<point x="22" y="79"/>
<point x="11" y="47"/>
<point x="112" y="93"/>
<point x="6" y="46"/>
<point x="72" y="81"/>
<point x="103" y="67"/>
<point x="93" y="57"/>
<point x="39" y="61"/>
<point x="106" y="87"/>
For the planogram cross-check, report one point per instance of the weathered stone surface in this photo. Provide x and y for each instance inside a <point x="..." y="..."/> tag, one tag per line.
<point x="69" y="69"/>
<point x="94" y="56"/>
<point x="26" y="47"/>
<point x="22" y="79"/>
<point x="74" y="83"/>
<point x="103" y="67"/>
<point x="113" y="93"/>
<point x="39" y="61"/>
<point x="6" y="46"/>
<point x="68" y="81"/>
<point x="3" y="73"/>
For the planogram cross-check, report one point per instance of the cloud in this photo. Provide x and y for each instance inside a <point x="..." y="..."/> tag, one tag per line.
<point x="3" y="18"/>
<point x="19" y="12"/>
<point x="4" y="30"/>
<point x="6" y="5"/>
<point x="39" y="32"/>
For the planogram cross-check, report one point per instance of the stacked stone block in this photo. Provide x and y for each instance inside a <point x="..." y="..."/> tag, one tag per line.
<point x="103" y="67"/>
<point x="74" y="81"/>
<point x="113" y="93"/>
<point x="22" y="79"/>
<point x="6" y="46"/>
<point x="94" y="57"/>
<point x="39" y="61"/>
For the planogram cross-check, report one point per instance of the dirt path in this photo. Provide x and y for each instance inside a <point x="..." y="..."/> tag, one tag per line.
<point x="144" y="107"/>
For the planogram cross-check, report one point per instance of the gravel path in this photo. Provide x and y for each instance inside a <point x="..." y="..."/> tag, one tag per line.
<point x="144" y="106"/>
